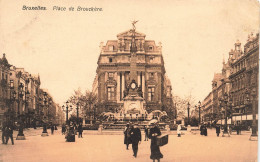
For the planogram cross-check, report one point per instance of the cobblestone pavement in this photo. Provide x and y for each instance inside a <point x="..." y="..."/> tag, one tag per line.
<point x="110" y="148"/>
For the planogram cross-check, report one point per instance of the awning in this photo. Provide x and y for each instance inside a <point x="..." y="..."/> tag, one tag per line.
<point x="244" y="117"/>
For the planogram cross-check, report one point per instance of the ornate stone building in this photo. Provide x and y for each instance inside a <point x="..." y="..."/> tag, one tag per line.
<point x="239" y="80"/>
<point x="4" y="87"/>
<point x="244" y="78"/>
<point x="132" y="59"/>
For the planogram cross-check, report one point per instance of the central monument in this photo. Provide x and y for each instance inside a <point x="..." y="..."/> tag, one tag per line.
<point x="133" y="95"/>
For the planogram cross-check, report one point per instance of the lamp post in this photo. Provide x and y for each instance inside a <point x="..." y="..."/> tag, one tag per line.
<point x="20" y="135"/>
<point x="46" y="102"/>
<point x="254" y="136"/>
<point x="26" y="101"/>
<point x="225" y="101"/>
<point x="188" y="108"/>
<point x="199" y="106"/>
<point x="67" y="110"/>
<point x="247" y="100"/>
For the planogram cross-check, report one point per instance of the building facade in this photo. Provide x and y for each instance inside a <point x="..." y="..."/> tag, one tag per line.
<point x="20" y="96"/>
<point x="114" y="75"/>
<point x="244" y="79"/>
<point x="239" y="81"/>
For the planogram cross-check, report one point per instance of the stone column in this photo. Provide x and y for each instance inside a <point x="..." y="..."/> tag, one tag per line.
<point x="138" y="79"/>
<point x="123" y="84"/>
<point x="106" y="74"/>
<point x="118" y="88"/>
<point x="143" y="84"/>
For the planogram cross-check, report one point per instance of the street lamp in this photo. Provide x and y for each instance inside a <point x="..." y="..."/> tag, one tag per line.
<point x="199" y="105"/>
<point x="67" y="110"/>
<point x="254" y="136"/>
<point x="225" y="101"/>
<point x="231" y="106"/>
<point x="46" y="102"/>
<point x="247" y="100"/>
<point x="20" y="135"/>
<point x="188" y="108"/>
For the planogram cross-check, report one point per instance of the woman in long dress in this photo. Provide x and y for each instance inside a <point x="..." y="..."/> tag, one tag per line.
<point x="179" y="130"/>
<point x="127" y="138"/>
<point x="155" y="149"/>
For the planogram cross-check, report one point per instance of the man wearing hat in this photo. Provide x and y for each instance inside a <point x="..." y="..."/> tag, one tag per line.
<point x="136" y="138"/>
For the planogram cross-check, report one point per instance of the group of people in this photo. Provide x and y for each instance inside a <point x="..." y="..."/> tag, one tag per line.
<point x="72" y="129"/>
<point x="7" y="132"/>
<point x="132" y="135"/>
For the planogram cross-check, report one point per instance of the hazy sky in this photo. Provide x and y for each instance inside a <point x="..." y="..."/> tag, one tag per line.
<point x="63" y="46"/>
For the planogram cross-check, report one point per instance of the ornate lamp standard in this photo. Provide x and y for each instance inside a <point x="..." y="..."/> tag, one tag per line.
<point x="46" y="105"/>
<point x="77" y="108"/>
<point x="20" y="135"/>
<point x="26" y="102"/>
<point x="199" y="106"/>
<point x="247" y="101"/>
<point x="254" y="136"/>
<point x="224" y="101"/>
<point x="188" y="108"/>
<point x="67" y="110"/>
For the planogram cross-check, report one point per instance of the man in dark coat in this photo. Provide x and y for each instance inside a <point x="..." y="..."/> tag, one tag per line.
<point x="9" y="133"/>
<point x="63" y="129"/>
<point x="155" y="150"/>
<point x="201" y="129"/>
<point x="146" y="133"/>
<point x="127" y="138"/>
<point x="3" y="133"/>
<point x="52" y="129"/>
<point x="217" y="130"/>
<point x="80" y="130"/>
<point x="205" y="130"/>
<point x="135" y="138"/>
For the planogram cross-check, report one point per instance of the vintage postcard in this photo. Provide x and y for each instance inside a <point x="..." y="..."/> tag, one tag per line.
<point x="129" y="81"/>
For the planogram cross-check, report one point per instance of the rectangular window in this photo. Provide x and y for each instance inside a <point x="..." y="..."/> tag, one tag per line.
<point x="110" y="60"/>
<point x="150" y="93"/>
<point x="110" y="93"/>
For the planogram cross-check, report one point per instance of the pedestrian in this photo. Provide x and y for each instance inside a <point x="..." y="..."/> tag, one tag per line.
<point x="155" y="150"/>
<point x="127" y="138"/>
<point x="56" y="127"/>
<point x="205" y="130"/>
<point x="237" y="128"/>
<point x="146" y="133"/>
<point x="52" y="129"/>
<point x="63" y="129"/>
<point x="9" y="134"/>
<point x="217" y="130"/>
<point x="80" y="130"/>
<point x="229" y="130"/>
<point x="201" y="129"/>
<point x="179" y="130"/>
<point x="4" y="133"/>
<point x="136" y="138"/>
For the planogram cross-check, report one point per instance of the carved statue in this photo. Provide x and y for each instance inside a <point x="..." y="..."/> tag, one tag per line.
<point x="133" y="23"/>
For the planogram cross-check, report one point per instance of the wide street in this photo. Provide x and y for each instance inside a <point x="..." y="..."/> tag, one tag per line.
<point x="110" y="148"/>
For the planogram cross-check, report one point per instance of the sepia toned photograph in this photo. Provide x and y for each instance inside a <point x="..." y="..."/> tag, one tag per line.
<point x="129" y="81"/>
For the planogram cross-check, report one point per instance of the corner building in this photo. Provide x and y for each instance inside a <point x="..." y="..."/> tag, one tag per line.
<point x="113" y="74"/>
